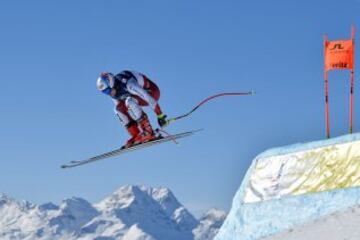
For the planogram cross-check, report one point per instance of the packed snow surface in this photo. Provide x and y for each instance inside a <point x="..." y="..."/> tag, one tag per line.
<point x="337" y="226"/>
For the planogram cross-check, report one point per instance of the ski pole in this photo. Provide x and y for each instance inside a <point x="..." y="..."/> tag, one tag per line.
<point x="171" y="120"/>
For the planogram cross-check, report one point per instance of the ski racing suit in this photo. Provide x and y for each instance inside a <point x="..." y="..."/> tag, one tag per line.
<point x="130" y="91"/>
<point x="134" y="90"/>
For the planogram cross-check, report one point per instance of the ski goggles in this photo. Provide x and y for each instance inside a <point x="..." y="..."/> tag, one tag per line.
<point x="106" y="91"/>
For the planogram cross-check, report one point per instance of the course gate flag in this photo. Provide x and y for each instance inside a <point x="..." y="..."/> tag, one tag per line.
<point x="339" y="55"/>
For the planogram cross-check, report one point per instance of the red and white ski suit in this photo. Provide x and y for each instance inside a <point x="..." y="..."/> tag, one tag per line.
<point x="134" y="90"/>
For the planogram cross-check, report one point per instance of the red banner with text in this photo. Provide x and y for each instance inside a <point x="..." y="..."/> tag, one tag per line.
<point x="339" y="54"/>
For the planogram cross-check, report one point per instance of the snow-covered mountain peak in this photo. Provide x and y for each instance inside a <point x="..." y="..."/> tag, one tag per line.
<point x="4" y="199"/>
<point x="140" y="195"/>
<point x="8" y="201"/>
<point x="73" y="203"/>
<point x="2" y="195"/>
<point x="214" y="215"/>
<point x="121" y="198"/>
<point x="152" y="205"/>
<point x="161" y="193"/>
<point x="130" y="213"/>
<point x="209" y="225"/>
<point x="160" y="200"/>
<point x="165" y="198"/>
<point x="48" y="206"/>
<point x="72" y="214"/>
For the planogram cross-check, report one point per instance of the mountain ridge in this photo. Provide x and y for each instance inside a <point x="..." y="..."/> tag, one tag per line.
<point x="132" y="212"/>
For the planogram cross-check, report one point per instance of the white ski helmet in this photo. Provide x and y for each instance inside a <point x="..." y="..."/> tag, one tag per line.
<point x="105" y="82"/>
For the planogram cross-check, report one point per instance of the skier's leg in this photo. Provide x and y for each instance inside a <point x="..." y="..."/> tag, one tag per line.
<point x="152" y="89"/>
<point x="131" y="125"/>
<point x="133" y="108"/>
<point x="133" y="130"/>
<point x="136" y="112"/>
<point x="121" y="112"/>
<point x="146" y="93"/>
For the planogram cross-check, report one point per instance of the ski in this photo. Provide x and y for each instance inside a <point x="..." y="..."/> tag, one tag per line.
<point x="122" y="150"/>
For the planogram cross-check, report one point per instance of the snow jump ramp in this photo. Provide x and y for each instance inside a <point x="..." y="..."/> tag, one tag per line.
<point x="293" y="185"/>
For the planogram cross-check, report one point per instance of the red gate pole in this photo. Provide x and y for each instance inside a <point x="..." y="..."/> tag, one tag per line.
<point x="352" y="83"/>
<point x="351" y="99"/>
<point x="327" y="105"/>
<point x="327" y="118"/>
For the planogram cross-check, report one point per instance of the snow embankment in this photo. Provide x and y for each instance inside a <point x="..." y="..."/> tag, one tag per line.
<point x="293" y="185"/>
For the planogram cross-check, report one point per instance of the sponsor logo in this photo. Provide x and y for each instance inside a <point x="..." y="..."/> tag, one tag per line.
<point x="337" y="46"/>
<point x="340" y="65"/>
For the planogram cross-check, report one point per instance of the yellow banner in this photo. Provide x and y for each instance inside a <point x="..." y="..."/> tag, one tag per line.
<point x="315" y="170"/>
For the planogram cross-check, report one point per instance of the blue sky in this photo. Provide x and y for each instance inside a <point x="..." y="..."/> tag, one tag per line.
<point x="51" y="53"/>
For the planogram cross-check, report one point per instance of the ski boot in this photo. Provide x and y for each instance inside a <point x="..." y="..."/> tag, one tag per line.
<point x="147" y="134"/>
<point x="134" y="132"/>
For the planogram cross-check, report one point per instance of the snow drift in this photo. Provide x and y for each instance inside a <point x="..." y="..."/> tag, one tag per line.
<point x="292" y="185"/>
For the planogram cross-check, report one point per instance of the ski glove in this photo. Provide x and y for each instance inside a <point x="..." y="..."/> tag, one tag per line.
<point x="162" y="120"/>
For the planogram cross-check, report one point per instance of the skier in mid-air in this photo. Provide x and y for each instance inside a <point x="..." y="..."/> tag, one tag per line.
<point x="131" y="91"/>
